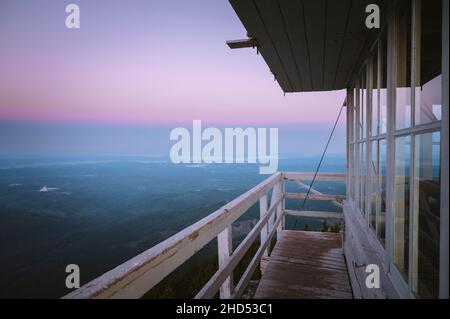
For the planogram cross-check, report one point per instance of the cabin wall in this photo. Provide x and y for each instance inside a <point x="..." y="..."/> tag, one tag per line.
<point x="360" y="250"/>
<point x="396" y="212"/>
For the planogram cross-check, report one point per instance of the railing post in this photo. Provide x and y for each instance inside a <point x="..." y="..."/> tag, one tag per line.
<point x="225" y="249"/>
<point x="265" y="230"/>
<point x="276" y="194"/>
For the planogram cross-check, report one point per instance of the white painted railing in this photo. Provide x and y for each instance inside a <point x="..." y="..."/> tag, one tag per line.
<point x="138" y="275"/>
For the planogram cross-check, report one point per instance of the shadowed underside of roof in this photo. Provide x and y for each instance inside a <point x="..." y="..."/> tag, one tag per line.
<point x="309" y="45"/>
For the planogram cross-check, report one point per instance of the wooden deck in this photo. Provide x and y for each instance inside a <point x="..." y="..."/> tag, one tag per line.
<point x="306" y="265"/>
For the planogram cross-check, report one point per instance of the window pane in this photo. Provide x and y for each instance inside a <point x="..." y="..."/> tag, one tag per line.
<point x="381" y="227"/>
<point x="401" y="197"/>
<point x="428" y="101"/>
<point x="429" y="80"/>
<point x="355" y="174"/>
<point x="362" y="178"/>
<point x="427" y="191"/>
<point x="353" y="105"/>
<point x="374" y="130"/>
<point x="375" y="185"/>
<point x="363" y="103"/>
<point x="352" y="171"/>
<point x="356" y="113"/>
<point x="403" y="67"/>
<point x="383" y="85"/>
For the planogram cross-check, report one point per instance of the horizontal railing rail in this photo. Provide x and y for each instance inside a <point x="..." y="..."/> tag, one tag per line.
<point x="314" y="194"/>
<point x="138" y="275"/>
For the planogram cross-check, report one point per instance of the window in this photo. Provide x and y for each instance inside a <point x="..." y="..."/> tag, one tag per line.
<point x="403" y="67"/>
<point x="355" y="173"/>
<point x="415" y="88"/>
<point x="362" y="178"/>
<point x="383" y="83"/>
<point x="417" y="148"/>
<point x="381" y="220"/>
<point x="378" y="189"/>
<point x="378" y="123"/>
<point x="375" y="91"/>
<point x="428" y="88"/>
<point x="352" y="171"/>
<point x="363" y="105"/>
<point x="374" y="185"/>
<point x="427" y="194"/>
<point x="356" y="114"/>
<point x="401" y="197"/>
<point x="373" y="165"/>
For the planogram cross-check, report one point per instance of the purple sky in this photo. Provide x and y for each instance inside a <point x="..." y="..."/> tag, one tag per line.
<point x="140" y="64"/>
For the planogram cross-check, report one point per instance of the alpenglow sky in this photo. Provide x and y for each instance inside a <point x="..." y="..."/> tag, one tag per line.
<point x="134" y="70"/>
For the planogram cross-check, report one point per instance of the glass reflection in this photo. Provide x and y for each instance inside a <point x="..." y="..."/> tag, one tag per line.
<point x="401" y="197"/>
<point x="428" y="102"/>
<point x="381" y="227"/>
<point x="427" y="195"/>
<point x="403" y="65"/>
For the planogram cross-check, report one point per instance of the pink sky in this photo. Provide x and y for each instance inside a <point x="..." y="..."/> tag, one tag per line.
<point x="146" y="63"/>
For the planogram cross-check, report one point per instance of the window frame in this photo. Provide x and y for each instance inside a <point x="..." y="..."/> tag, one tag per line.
<point x="388" y="34"/>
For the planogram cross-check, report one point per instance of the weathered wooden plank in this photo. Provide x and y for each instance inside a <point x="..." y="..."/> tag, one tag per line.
<point x="225" y="249"/>
<point x="329" y="258"/>
<point x="306" y="265"/>
<point x="312" y="213"/>
<point x="292" y="275"/>
<point x="262" y="212"/>
<point x="278" y="192"/>
<point x="335" y="265"/>
<point x="316" y="196"/>
<point x="289" y="251"/>
<point x="331" y="177"/>
<point x="314" y="234"/>
<point x="272" y="290"/>
<point x="290" y="248"/>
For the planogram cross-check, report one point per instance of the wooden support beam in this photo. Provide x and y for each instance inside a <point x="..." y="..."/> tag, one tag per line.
<point x="225" y="249"/>
<point x="262" y="213"/>
<point x="241" y="43"/>
<point x="278" y="195"/>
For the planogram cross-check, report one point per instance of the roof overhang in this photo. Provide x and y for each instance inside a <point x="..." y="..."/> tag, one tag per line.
<point x="309" y="45"/>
